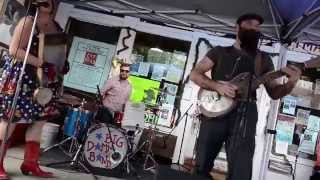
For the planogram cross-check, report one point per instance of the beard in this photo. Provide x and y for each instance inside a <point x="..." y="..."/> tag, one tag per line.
<point x="249" y="39"/>
<point x="123" y="77"/>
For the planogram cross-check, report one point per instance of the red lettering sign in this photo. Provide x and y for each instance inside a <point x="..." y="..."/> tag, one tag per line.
<point x="90" y="145"/>
<point x="92" y="157"/>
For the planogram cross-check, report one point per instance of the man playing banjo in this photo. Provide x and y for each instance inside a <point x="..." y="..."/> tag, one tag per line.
<point x="236" y="128"/>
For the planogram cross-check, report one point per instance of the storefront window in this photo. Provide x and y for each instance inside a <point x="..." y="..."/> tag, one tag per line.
<point x="157" y="73"/>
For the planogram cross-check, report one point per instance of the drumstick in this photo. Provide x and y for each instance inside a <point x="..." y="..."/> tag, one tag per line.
<point x="99" y="95"/>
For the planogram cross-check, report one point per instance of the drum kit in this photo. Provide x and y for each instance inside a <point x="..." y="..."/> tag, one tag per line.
<point x="98" y="144"/>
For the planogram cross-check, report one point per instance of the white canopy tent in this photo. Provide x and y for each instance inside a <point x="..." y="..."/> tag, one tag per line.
<point x="220" y="16"/>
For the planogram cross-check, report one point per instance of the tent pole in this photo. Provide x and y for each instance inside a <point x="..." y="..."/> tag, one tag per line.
<point x="311" y="5"/>
<point x="225" y="23"/>
<point x="151" y="11"/>
<point x="276" y="11"/>
<point x="273" y="18"/>
<point x="141" y="11"/>
<point x="314" y="33"/>
<point x="314" y="14"/>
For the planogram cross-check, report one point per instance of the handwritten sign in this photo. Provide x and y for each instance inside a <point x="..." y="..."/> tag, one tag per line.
<point x="101" y="147"/>
<point x="90" y="63"/>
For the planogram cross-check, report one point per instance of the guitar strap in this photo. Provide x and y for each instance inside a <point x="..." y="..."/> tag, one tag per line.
<point x="258" y="64"/>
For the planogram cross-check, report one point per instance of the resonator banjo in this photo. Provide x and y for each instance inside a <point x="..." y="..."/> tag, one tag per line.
<point x="211" y="104"/>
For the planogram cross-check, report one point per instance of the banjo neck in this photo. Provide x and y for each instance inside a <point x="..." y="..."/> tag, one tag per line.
<point x="312" y="63"/>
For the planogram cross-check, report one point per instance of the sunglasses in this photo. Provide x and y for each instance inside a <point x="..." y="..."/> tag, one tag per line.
<point x="122" y="70"/>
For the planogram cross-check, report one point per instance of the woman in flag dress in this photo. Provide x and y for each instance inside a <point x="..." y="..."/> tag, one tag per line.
<point x="27" y="110"/>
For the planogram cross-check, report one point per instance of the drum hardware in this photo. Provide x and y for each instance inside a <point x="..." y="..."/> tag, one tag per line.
<point x="106" y="145"/>
<point x="116" y="156"/>
<point x="150" y="154"/>
<point x="152" y="130"/>
<point x="74" y="142"/>
<point x="74" y="139"/>
<point x="147" y="144"/>
<point x="69" y="100"/>
<point x="74" y="131"/>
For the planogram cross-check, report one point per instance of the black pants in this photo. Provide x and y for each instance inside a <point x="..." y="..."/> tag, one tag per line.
<point x="104" y="115"/>
<point x="239" y="138"/>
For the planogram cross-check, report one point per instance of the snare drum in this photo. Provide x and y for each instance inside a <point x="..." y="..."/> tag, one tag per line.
<point x="98" y="148"/>
<point x="71" y="119"/>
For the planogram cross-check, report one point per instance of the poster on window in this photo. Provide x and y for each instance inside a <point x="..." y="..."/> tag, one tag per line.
<point x="170" y="91"/>
<point x="165" y="115"/>
<point x="90" y="63"/>
<point x="136" y="59"/>
<point x="289" y="105"/>
<point x="302" y="116"/>
<point x="313" y="123"/>
<point x="143" y="69"/>
<point x="285" y="128"/>
<point x="158" y="71"/>
<point x="174" y="74"/>
<point x="308" y="142"/>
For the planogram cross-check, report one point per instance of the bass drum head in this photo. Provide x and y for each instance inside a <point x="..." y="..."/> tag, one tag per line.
<point x="98" y="152"/>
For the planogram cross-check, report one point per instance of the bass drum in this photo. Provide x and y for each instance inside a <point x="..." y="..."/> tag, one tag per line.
<point x="98" y="150"/>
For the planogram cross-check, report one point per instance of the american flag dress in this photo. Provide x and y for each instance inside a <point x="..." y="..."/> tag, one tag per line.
<point x="27" y="109"/>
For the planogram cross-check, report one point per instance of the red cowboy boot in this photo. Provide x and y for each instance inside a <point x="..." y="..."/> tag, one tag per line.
<point x="30" y="163"/>
<point x="3" y="173"/>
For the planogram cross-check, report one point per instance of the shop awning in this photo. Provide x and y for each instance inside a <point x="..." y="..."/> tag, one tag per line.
<point x="285" y="20"/>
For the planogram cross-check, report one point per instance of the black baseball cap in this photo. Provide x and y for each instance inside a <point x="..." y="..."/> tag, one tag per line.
<point x="249" y="16"/>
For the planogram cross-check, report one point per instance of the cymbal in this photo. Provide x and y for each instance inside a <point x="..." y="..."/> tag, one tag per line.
<point x="69" y="99"/>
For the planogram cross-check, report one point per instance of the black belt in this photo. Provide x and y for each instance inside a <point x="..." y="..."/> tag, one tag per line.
<point x="247" y="100"/>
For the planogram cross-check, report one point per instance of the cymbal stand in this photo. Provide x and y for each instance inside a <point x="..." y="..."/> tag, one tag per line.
<point x="73" y="138"/>
<point x="149" y="153"/>
<point x="74" y="145"/>
<point x="148" y="145"/>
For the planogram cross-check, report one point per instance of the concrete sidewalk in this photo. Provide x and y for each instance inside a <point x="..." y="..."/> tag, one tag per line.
<point x="14" y="159"/>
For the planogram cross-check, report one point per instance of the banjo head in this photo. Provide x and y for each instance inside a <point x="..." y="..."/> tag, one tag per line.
<point x="43" y="95"/>
<point x="211" y="104"/>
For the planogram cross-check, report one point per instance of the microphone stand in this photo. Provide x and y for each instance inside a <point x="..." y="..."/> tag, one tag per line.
<point x="18" y="87"/>
<point x="241" y="120"/>
<point x="186" y="114"/>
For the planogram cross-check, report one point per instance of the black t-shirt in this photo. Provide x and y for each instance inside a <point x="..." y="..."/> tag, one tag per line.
<point x="229" y="62"/>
